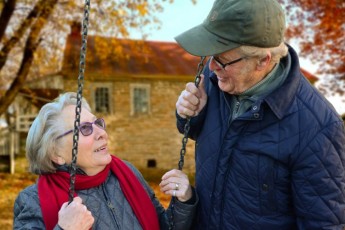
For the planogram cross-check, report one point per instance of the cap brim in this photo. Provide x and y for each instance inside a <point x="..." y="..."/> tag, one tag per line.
<point x="198" y="41"/>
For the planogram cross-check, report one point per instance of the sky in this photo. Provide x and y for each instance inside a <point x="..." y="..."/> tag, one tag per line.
<point x="179" y="17"/>
<point x="183" y="15"/>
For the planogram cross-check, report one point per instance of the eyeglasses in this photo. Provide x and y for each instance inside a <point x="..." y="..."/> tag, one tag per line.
<point x="223" y="65"/>
<point x="86" y="127"/>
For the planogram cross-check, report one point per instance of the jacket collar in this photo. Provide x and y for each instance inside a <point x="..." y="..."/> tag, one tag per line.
<point x="281" y="99"/>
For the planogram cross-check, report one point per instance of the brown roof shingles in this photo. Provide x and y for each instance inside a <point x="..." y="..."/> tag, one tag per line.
<point x="138" y="59"/>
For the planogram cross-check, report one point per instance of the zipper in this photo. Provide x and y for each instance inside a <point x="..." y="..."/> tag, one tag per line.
<point x="110" y="206"/>
<point x="232" y="112"/>
<point x="237" y="106"/>
<point x="229" y="107"/>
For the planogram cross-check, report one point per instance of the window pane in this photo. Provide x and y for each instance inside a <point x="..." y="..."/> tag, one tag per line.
<point x="140" y="100"/>
<point x="102" y="100"/>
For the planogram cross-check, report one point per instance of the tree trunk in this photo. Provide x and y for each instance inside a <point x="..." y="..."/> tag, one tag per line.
<point x="29" y="50"/>
<point x="10" y="43"/>
<point x="5" y="17"/>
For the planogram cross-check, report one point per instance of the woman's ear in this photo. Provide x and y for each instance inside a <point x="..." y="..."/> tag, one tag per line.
<point x="58" y="160"/>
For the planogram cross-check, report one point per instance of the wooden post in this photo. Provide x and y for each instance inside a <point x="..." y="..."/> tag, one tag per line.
<point x="12" y="150"/>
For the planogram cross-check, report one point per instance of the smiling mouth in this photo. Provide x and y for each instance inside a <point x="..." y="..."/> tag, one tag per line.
<point x="101" y="148"/>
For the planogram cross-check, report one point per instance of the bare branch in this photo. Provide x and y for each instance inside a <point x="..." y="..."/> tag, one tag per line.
<point x="6" y="15"/>
<point x="8" y="46"/>
<point x="29" y="51"/>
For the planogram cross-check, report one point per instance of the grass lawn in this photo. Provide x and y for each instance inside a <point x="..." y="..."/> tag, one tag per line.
<point x="11" y="185"/>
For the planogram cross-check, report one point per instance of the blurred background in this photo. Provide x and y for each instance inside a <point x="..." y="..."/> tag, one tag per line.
<point x="134" y="73"/>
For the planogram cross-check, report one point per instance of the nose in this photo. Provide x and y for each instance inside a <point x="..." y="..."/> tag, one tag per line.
<point x="99" y="132"/>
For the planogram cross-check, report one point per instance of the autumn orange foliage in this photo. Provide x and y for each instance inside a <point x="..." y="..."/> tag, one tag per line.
<point x="31" y="32"/>
<point x="319" y="26"/>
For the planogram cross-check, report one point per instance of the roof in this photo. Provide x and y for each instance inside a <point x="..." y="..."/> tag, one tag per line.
<point x="126" y="57"/>
<point x="109" y="57"/>
<point x="39" y="97"/>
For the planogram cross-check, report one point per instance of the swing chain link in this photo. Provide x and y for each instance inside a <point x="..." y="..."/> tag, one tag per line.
<point x="185" y="140"/>
<point x="73" y="167"/>
<point x="187" y="125"/>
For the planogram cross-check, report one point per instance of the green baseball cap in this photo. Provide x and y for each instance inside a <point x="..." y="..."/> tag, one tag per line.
<point x="232" y="23"/>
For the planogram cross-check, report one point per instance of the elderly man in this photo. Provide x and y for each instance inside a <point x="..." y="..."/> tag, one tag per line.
<point x="270" y="150"/>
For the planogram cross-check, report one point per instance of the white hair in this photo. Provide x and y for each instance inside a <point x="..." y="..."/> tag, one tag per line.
<point x="41" y="142"/>
<point x="276" y="52"/>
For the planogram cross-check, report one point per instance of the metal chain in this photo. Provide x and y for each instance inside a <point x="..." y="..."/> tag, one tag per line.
<point x="185" y="140"/>
<point x="73" y="167"/>
<point x="187" y="125"/>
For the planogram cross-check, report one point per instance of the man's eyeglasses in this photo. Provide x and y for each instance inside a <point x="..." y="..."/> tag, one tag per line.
<point x="86" y="127"/>
<point x="223" y="65"/>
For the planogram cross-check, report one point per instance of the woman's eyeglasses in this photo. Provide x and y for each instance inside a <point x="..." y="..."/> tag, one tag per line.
<point x="86" y="127"/>
<point x="223" y="65"/>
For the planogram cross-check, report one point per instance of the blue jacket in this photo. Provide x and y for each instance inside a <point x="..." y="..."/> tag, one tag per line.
<point x="279" y="165"/>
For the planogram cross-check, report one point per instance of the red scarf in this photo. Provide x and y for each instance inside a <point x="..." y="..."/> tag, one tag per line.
<point x="53" y="192"/>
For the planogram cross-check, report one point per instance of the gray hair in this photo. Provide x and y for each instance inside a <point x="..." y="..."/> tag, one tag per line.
<point x="276" y="52"/>
<point x="41" y="143"/>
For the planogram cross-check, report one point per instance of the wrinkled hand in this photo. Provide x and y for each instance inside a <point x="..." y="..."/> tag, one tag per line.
<point x="75" y="216"/>
<point x="176" y="183"/>
<point x="192" y="100"/>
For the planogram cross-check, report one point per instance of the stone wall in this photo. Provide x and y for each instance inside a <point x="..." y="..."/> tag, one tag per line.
<point x="145" y="140"/>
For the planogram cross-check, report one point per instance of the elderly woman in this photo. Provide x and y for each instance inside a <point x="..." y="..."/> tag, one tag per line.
<point x="110" y="193"/>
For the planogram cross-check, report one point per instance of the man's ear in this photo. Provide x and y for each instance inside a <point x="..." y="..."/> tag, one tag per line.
<point x="264" y="61"/>
<point x="58" y="159"/>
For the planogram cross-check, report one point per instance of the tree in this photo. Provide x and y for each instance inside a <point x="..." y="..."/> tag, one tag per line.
<point x="319" y="25"/>
<point x="31" y="33"/>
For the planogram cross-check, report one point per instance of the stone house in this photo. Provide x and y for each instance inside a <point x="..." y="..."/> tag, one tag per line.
<point x="135" y="94"/>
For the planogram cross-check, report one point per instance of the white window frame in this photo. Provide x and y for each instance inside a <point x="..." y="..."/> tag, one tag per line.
<point x="97" y="85"/>
<point x="146" y="87"/>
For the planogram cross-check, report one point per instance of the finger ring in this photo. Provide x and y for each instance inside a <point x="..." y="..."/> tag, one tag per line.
<point x="177" y="186"/>
<point x="174" y="193"/>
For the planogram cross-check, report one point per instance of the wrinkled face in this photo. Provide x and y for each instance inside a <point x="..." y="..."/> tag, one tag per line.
<point x="237" y="77"/>
<point x="93" y="153"/>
